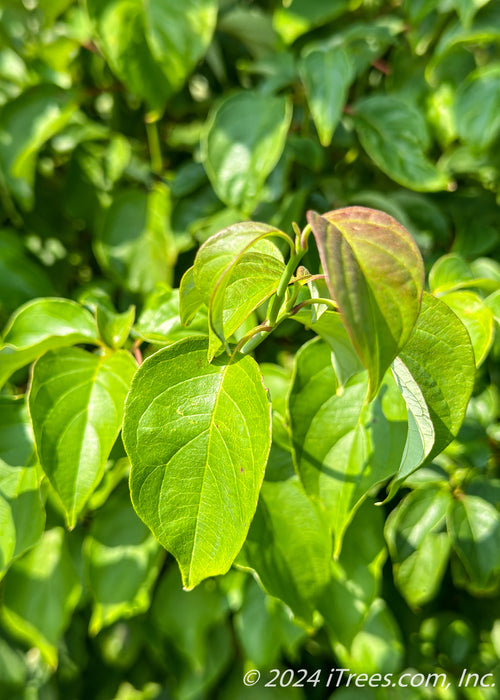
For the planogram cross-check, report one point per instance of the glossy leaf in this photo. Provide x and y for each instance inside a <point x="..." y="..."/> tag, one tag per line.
<point x="22" y="513"/>
<point x="440" y="359"/>
<point x="135" y="243"/>
<point x="375" y="274"/>
<point x="418" y="546"/>
<point x="198" y="437"/>
<point x="76" y="404"/>
<point x="477" y="107"/>
<point x="27" y="123"/>
<point x="477" y="317"/>
<point x="474" y="526"/>
<point x="114" y="328"/>
<point x="41" y="325"/>
<point x="342" y="445"/>
<point x="244" y="140"/>
<point x="451" y="272"/>
<point x="40" y="593"/>
<point x="153" y="48"/>
<point x="326" y="75"/>
<point x="395" y="137"/>
<point x="235" y="271"/>
<point x="289" y="546"/>
<point x="122" y="560"/>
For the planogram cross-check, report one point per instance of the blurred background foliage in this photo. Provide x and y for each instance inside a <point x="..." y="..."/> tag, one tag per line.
<point x="129" y="133"/>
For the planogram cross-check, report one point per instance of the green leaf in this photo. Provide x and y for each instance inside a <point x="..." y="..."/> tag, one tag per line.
<point x="419" y="548"/>
<point x="451" y="272"/>
<point x="186" y="617"/>
<point x="466" y="9"/>
<point x="114" y="328"/>
<point x="153" y="48"/>
<point x="135" y="243"/>
<point x="235" y="271"/>
<point x="244" y="140"/>
<point x="298" y="17"/>
<point x="378" y="647"/>
<point x="160" y="320"/>
<point x="190" y="299"/>
<point x="342" y="445"/>
<point x="394" y="135"/>
<point x="289" y="546"/>
<point x="326" y="75"/>
<point x="26" y="124"/>
<point x="22" y="515"/>
<point x="40" y="593"/>
<point x="421" y="434"/>
<point x="440" y="359"/>
<point x="122" y="560"/>
<point x="477" y="317"/>
<point x="356" y="575"/>
<point x="21" y="278"/>
<point x="277" y="381"/>
<point x="76" y="404"/>
<point x="198" y="437"/>
<point x="477" y="107"/>
<point x="474" y="526"/>
<point x="264" y="628"/>
<point x="375" y="274"/>
<point x="41" y="325"/>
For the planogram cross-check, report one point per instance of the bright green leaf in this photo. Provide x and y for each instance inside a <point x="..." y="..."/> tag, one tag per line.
<point x="198" y="437"/>
<point x="244" y="140"/>
<point x="41" y="325"/>
<point x="76" y="404"/>
<point x="298" y="17"/>
<point x="375" y="274"/>
<point x="153" y="48"/>
<point x="477" y="317"/>
<point x="190" y="299"/>
<point x="235" y="271"/>
<point x="394" y="135"/>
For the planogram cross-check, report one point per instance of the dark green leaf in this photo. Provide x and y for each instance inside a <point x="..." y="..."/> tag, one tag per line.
<point x="244" y="140"/>
<point x="326" y="75"/>
<point x="477" y="107"/>
<point x="135" y="243"/>
<point x="198" y="437"/>
<point x="153" y="48"/>
<point x="394" y="135"/>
